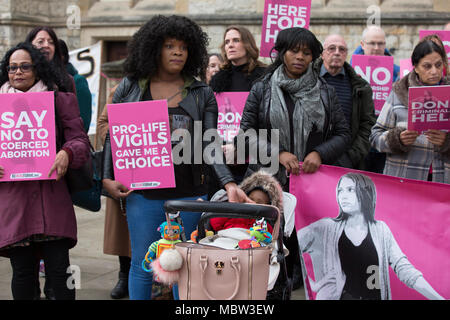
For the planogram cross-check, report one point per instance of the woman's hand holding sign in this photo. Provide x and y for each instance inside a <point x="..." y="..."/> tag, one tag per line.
<point x="436" y="137"/>
<point x="60" y="165"/>
<point x="2" y="172"/>
<point x="290" y="162"/>
<point x="312" y="162"/>
<point x="408" y="137"/>
<point x="116" y="189"/>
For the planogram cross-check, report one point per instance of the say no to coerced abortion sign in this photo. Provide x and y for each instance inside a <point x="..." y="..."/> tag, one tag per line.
<point x="141" y="145"/>
<point x="27" y="135"/>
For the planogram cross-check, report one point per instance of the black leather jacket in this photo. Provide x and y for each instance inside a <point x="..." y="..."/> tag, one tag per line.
<point x="199" y="102"/>
<point x="336" y="137"/>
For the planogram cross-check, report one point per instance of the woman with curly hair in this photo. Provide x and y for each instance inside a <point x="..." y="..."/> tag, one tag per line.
<point x="37" y="218"/>
<point x="164" y="57"/>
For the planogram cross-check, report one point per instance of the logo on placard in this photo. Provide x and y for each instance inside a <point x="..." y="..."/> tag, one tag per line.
<point x="150" y="184"/>
<point x="27" y="175"/>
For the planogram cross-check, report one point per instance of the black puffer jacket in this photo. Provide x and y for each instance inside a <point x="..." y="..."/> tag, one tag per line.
<point x="335" y="139"/>
<point x="199" y="102"/>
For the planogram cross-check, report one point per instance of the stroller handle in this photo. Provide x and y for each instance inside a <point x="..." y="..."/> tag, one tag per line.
<point x="214" y="209"/>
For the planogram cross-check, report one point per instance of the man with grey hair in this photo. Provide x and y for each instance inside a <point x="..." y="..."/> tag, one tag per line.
<point x="374" y="43"/>
<point x="355" y="97"/>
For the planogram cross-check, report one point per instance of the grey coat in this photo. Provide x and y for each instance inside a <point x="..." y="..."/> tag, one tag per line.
<point x="412" y="162"/>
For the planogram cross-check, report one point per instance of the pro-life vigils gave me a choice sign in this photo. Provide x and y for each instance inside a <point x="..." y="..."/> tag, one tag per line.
<point x="141" y="145"/>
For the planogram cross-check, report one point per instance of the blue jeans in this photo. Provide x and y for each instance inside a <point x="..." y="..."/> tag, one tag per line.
<point x="144" y="216"/>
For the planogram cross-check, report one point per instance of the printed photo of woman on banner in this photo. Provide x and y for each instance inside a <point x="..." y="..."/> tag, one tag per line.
<point x="347" y="250"/>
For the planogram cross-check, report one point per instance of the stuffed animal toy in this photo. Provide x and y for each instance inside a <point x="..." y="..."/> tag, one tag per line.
<point x="194" y="235"/>
<point x="260" y="237"/>
<point x="170" y="236"/>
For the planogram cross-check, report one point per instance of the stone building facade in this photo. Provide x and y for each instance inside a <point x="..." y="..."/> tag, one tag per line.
<point x="84" y="22"/>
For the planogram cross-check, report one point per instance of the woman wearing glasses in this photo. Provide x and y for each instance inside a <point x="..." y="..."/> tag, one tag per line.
<point x="37" y="218"/>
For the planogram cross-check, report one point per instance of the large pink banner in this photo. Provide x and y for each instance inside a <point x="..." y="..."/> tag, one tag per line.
<point x="443" y="34"/>
<point x="27" y="135"/>
<point x="429" y="108"/>
<point x="141" y="144"/>
<point x="372" y="236"/>
<point x="279" y="15"/>
<point x="378" y="71"/>
<point x="231" y="105"/>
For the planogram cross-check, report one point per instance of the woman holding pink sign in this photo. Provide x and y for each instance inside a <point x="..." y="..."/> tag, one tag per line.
<point x="410" y="155"/>
<point x="175" y="52"/>
<point x="38" y="220"/>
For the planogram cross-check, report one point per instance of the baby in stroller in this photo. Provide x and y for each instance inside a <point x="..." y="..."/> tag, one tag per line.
<point x="262" y="188"/>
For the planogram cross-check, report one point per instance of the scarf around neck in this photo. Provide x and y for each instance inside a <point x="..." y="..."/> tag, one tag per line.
<point x="308" y="111"/>
<point x="37" y="87"/>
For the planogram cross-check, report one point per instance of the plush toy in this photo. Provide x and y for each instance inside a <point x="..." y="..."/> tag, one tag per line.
<point x="194" y="235"/>
<point x="260" y="237"/>
<point x="170" y="236"/>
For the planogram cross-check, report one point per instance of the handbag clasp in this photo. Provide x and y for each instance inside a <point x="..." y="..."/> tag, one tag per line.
<point x="219" y="266"/>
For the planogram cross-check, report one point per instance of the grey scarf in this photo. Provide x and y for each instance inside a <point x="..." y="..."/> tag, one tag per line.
<point x="309" y="110"/>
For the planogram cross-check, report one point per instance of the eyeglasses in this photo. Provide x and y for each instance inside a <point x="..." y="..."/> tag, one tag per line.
<point x="373" y="44"/>
<point x="332" y="49"/>
<point x="26" y="67"/>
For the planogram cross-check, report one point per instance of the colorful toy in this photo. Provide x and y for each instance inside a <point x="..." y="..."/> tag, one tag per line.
<point x="170" y="235"/>
<point x="194" y="235"/>
<point x="260" y="237"/>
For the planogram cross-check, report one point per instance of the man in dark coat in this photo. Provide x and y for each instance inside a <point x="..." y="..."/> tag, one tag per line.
<point x="355" y="98"/>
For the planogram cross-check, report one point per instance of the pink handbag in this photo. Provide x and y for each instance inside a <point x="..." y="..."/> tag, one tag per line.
<point x="212" y="273"/>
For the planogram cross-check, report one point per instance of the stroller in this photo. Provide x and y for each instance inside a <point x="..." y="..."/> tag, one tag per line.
<point x="210" y="272"/>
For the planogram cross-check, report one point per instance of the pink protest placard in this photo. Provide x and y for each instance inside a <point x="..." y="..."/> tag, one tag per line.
<point x="27" y="135"/>
<point x="378" y="71"/>
<point x="405" y="67"/>
<point x="367" y="235"/>
<point x="141" y="145"/>
<point x="231" y="105"/>
<point x="443" y="34"/>
<point x="429" y="108"/>
<point x="279" y="15"/>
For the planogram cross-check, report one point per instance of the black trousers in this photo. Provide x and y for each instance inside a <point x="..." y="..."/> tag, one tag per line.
<point x="25" y="260"/>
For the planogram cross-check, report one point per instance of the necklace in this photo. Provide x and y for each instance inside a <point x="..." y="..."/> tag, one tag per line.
<point x="171" y="97"/>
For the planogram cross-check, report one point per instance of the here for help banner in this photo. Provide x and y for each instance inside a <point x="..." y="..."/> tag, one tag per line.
<point x="378" y="71"/>
<point x="141" y="145"/>
<point x="27" y="135"/>
<point x="429" y="108"/>
<point x="279" y="15"/>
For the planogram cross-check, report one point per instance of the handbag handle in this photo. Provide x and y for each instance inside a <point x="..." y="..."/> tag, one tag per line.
<point x="234" y="264"/>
